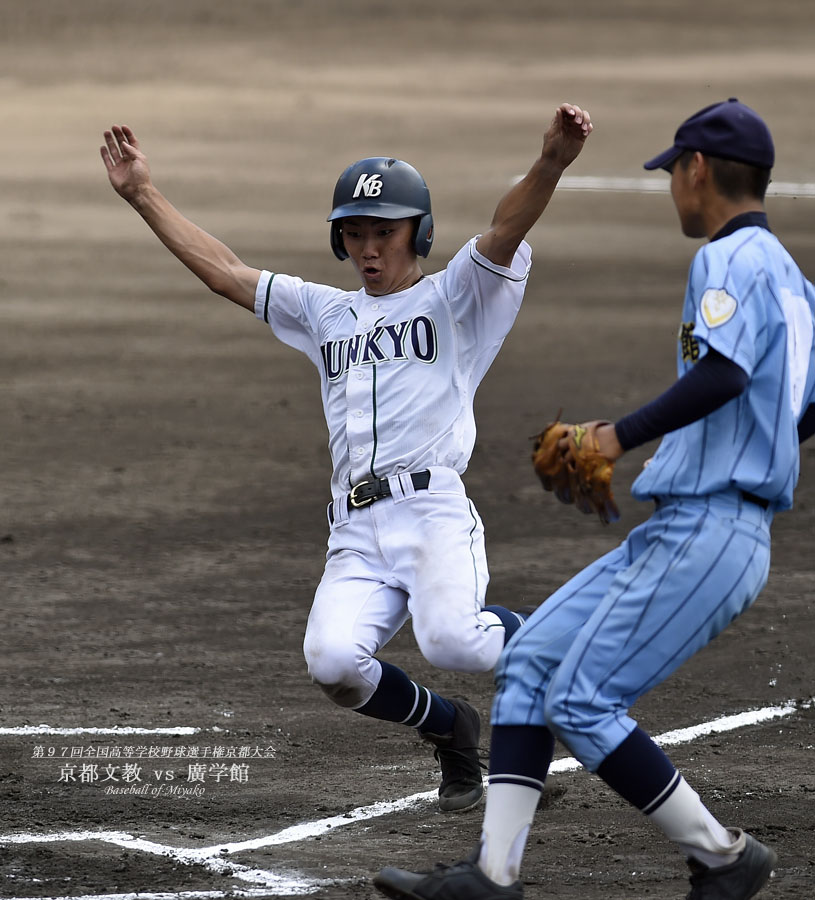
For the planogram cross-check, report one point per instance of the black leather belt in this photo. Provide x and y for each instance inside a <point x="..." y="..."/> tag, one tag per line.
<point x="763" y="502"/>
<point x="367" y="492"/>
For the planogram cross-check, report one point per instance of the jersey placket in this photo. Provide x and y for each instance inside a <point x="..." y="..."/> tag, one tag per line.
<point x="360" y="395"/>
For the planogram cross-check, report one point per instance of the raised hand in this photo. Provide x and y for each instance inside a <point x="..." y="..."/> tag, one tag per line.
<point x="126" y="164"/>
<point x="566" y="134"/>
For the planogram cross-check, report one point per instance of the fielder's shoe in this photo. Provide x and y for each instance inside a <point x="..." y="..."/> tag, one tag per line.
<point x="461" y="783"/>
<point x="462" y="881"/>
<point x="740" y="880"/>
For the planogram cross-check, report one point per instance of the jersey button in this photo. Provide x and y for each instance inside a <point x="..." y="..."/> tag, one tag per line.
<point x="374" y="306"/>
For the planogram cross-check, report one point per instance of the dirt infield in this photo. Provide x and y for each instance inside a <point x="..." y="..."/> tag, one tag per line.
<point x="164" y="461"/>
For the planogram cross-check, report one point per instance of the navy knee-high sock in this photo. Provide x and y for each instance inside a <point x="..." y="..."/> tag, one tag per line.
<point x="511" y="621"/>
<point x="520" y="756"/>
<point x="643" y="775"/>
<point x="398" y="699"/>
<point x="520" y="752"/>
<point x="640" y="772"/>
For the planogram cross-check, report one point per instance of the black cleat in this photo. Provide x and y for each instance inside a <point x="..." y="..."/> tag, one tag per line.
<point x="462" y="785"/>
<point x="461" y="881"/>
<point x="741" y="880"/>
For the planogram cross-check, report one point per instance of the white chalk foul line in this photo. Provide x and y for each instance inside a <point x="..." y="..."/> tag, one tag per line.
<point x="662" y="185"/>
<point x="163" y="895"/>
<point x="216" y="859"/>
<point x="166" y="895"/>
<point x="716" y="726"/>
<point x="273" y="884"/>
<point x="25" y="730"/>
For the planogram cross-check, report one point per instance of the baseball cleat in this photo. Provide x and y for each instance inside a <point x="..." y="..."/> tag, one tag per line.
<point x="461" y="881"/>
<point x="462" y="785"/>
<point x="740" y="880"/>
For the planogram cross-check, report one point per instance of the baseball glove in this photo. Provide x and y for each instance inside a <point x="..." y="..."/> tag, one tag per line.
<point x="576" y="472"/>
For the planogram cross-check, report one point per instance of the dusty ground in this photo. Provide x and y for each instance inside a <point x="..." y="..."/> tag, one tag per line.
<point x="164" y="470"/>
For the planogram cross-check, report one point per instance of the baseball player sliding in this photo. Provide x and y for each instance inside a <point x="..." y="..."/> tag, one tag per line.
<point x="729" y="461"/>
<point x="400" y="361"/>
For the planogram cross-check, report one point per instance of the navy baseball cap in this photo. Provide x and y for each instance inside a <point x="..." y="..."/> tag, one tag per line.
<point x="729" y="130"/>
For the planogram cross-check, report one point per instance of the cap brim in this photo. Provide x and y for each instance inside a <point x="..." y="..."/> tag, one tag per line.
<point x="664" y="159"/>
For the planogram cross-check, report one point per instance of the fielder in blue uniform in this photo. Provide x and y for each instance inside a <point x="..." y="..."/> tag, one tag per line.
<point x="729" y="461"/>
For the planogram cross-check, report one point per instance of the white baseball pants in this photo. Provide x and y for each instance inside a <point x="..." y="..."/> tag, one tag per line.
<point x="416" y="554"/>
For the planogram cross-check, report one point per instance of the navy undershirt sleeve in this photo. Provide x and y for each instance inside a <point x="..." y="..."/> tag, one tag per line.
<point x="806" y="427"/>
<point x="711" y="383"/>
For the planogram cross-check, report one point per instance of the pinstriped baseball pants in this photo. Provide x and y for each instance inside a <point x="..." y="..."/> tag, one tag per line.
<point x="630" y="619"/>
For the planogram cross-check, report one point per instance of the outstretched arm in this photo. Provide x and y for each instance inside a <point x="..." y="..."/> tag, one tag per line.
<point x="522" y="206"/>
<point x="212" y="261"/>
<point x="712" y="382"/>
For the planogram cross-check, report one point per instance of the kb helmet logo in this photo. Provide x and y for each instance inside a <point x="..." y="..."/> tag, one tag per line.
<point x="369" y="185"/>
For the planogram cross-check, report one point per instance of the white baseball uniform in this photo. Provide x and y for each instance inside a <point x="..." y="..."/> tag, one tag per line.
<point x="399" y="373"/>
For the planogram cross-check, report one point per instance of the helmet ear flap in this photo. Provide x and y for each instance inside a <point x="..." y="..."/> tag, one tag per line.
<point x="423" y="240"/>
<point x="337" y="243"/>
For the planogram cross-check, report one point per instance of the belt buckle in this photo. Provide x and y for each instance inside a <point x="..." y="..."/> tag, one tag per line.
<point x="359" y="504"/>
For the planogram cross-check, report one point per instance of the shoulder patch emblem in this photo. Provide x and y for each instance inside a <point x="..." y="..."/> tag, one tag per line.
<point x="717" y="307"/>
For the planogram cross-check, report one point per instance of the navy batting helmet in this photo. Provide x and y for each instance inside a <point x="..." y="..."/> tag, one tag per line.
<point x="386" y="188"/>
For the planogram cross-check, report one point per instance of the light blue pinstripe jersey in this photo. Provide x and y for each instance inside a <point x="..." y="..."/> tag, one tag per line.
<point x="748" y="300"/>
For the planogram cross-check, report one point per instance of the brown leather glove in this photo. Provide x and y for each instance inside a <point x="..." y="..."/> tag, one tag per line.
<point x="568" y="462"/>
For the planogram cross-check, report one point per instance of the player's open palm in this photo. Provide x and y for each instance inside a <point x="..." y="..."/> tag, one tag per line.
<point x="126" y="164"/>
